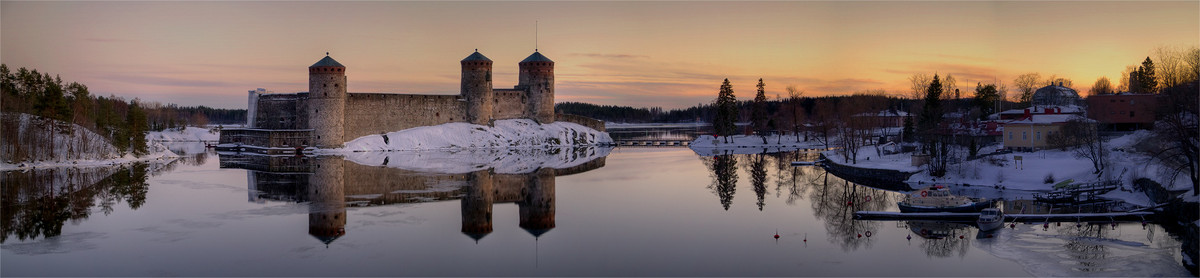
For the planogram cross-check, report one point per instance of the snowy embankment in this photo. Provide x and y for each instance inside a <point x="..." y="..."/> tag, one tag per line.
<point x="749" y="144"/>
<point x="503" y="161"/>
<point x="1033" y="170"/>
<point x="186" y="134"/>
<point x="505" y="134"/>
<point x="50" y="143"/>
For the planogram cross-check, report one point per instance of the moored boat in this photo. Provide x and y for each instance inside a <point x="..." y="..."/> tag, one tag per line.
<point x="990" y="219"/>
<point x="937" y="198"/>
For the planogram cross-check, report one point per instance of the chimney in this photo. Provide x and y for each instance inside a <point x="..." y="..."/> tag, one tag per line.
<point x="1060" y="83"/>
<point x="1027" y="112"/>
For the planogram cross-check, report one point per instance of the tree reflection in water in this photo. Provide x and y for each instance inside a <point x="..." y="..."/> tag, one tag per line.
<point x="724" y="169"/>
<point x="941" y="239"/>
<point x="1083" y="245"/>
<point x="835" y="200"/>
<point x="38" y="202"/>
<point x="758" y="177"/>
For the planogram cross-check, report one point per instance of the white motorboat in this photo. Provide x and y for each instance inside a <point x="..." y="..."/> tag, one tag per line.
<point x="990" y="219"/>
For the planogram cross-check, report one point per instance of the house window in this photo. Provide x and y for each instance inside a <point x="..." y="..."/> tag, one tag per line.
<point x="1039" y="135"/>
<point x="1010" y="135"/>
<point x="1024" y="135"/>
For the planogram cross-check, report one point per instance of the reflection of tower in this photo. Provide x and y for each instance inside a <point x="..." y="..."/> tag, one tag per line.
<point x="477" y="205"/>
<point x="326" y="192"/>
<point x="537" y="206"/>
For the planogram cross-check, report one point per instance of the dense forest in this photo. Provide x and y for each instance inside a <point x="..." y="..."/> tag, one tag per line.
<point x="121" y="122"/>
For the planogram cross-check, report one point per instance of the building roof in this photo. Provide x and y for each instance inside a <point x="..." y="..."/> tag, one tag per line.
<point x="476" y="57"/>
<point x="1048" y="119"/>
<point x="327" y="62"/>
<point x="536" y="57"/>
<point x="884" y="113"/>
<point x="1066" y="109"/>
<point x="1055" y="95"/>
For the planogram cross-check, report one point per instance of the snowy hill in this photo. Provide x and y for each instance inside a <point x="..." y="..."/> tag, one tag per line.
<point x="518" y="133"/>
<point x="32" y="141"/>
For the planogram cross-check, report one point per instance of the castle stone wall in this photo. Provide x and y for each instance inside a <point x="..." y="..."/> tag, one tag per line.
<point x="510" y="104"/>
<point x="281" y="111"/>
<point x="371" y="113"/>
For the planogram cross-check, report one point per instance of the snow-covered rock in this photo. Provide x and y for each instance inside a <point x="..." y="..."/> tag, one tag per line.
<point x="517" y="133"/>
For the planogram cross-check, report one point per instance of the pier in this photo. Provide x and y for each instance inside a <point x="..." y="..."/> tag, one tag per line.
<point x="1027" y="218"/>
<point x="652" y="143"/>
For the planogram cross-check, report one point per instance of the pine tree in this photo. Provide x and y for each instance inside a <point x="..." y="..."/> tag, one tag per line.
<point x="1147" y="79"/>
<point x="725" y="123"/>
<point x="758" y="112"/>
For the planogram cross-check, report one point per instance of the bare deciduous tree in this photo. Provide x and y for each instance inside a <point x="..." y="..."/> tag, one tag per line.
<point x="1081" y="136"/>
<point x="1026" y="84"/>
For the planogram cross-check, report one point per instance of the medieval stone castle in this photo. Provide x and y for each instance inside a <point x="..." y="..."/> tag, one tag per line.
<point x="327" y="116"/>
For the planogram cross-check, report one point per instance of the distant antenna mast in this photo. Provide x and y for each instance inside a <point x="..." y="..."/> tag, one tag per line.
<point x="535" y="36"/>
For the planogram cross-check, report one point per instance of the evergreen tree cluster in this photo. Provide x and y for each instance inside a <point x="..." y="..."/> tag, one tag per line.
<point x="122" y="122"/>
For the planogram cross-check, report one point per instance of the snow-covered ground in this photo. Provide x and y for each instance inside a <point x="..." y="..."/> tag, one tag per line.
<point x="186" y="134"/>
<point x="1031" y="171"/>
<point x="503" y="161"/>
<point x="871" y="158"/>
<point x="517" y="133"/>
<point x="81" y="148"/>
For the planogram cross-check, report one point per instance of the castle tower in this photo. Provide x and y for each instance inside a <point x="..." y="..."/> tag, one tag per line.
<point x="477" y="205"/>
<point x="327" y="102"/>
<point x="477" y="88"/>
<point x="537" y="205"/>
<point x="537" y="79"/>
<point x="327" y="199"/>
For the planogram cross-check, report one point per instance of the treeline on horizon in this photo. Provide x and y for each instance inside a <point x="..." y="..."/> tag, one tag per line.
<point x="122" y="122"/>
<point x="705" y="112"/>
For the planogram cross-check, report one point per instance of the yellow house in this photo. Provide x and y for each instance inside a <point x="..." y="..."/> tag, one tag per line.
<point x="1032" y="132"/>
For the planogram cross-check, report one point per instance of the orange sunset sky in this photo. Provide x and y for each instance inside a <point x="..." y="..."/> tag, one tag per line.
<point x="668" y="54"/>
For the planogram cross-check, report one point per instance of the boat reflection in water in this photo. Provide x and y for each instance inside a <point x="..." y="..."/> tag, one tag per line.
<point x="477" y="178"/>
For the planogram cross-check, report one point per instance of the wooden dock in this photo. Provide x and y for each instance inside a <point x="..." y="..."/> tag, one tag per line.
<point x="1038" y="218"/>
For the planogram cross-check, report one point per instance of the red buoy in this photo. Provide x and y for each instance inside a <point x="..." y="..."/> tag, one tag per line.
<point x="1014" y="225"/>
<point x="859" y="235"/>
<point x="960" y="237"/>
<point x="776" y="236"/>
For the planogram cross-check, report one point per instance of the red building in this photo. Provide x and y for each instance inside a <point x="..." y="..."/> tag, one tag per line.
<point x="1123" y="111"/>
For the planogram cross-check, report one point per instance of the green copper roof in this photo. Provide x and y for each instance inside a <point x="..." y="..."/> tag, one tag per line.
<point x="536" y="57"/>
<point x="327" y="62"/>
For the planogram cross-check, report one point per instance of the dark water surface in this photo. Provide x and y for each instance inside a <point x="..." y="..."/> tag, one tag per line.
<point x="635" y="212"/>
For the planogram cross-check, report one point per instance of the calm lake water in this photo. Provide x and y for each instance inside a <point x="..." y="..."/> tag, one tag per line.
<point x="618" y="212"/>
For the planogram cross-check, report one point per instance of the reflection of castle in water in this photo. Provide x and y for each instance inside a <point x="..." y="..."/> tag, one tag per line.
<point x="329" y="184"/>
